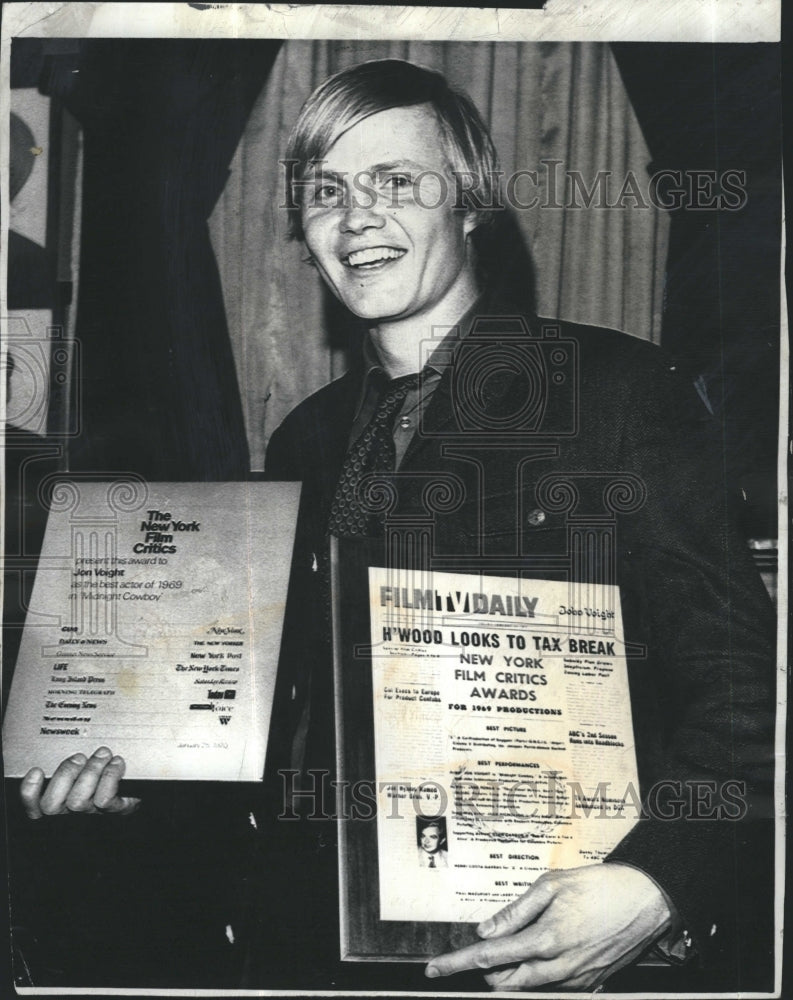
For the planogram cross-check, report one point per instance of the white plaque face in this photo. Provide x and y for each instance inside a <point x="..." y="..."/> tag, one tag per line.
<point x="154" y="629"/>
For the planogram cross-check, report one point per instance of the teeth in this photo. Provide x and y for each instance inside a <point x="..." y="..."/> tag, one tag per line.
<point x="373" y="255"/>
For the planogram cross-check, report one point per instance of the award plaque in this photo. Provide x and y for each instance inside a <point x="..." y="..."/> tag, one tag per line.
<point x="484" y="737"/>
<point x="154" y="628"/>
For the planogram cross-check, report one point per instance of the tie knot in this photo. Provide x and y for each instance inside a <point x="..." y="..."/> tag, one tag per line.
<point x="394" y="392"/>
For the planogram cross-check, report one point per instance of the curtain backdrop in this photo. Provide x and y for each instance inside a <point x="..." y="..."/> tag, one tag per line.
<point x="552" y="107"/>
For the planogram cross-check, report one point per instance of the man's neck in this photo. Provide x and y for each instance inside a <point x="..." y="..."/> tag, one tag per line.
<point x="398" y="342"/>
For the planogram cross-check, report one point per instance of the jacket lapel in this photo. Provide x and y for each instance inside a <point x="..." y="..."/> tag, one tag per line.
<point x="440" y="415"/>
<point x="331" y="432"/>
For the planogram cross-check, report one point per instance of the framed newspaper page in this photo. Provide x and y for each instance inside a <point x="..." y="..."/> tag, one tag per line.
<point x="473" y="713"/>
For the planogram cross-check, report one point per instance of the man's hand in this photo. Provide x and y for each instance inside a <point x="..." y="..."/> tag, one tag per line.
<point x="572" y="928"/>
<point x="79" y="784"/>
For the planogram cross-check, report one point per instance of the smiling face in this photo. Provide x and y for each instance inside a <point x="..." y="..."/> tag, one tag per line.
<point x="430" y="839"/>
<point x="379" y="218"/>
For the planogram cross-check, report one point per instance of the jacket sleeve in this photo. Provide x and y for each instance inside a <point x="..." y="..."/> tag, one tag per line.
<point x="280" y="462"/>
<point x="710" y="626"/>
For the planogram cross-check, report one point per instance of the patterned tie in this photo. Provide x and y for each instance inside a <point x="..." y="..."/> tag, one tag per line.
<point x="432" y="861"/>
<point x="373" y="452"/>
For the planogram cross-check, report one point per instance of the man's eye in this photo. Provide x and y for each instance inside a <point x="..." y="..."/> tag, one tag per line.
<point x="398" y="182"/>
<point x="328" y="195"/>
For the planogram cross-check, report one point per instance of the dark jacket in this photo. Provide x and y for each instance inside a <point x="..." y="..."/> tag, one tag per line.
<point x="550" y="436"/>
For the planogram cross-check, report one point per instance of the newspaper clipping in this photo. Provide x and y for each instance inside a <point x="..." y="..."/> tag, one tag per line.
<point x="502" y="721"/>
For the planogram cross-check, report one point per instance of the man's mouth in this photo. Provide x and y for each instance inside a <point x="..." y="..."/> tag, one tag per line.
<point x="372" y="257"/>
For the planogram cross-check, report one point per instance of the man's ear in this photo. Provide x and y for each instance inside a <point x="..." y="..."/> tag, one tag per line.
<point x="470" y="222"/>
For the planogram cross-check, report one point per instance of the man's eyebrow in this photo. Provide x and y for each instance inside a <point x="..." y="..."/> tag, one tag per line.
<point x="318" y="171"/>
<point x="384" y="168"/>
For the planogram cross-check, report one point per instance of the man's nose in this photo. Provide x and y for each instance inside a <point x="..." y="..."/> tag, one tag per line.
<point x="361" y="212"/>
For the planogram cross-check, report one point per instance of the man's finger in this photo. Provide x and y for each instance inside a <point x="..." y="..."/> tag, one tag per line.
<point x="503" y="978"/>
<point x="492" y="953"/>
<point x="81" y="794"/>
<point x="520" y="912"/>
<point x="106" y="797"/>
<point x="30" y="792"/>
<point x="122" y="805"/>
<point x="53" y="801"/>
<point x="528" y="975"/>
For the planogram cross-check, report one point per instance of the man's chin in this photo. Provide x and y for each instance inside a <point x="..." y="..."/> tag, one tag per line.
<point x="376" y="311"/>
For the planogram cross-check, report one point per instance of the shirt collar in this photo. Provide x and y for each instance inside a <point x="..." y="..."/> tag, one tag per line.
<point x="438" y="358"/>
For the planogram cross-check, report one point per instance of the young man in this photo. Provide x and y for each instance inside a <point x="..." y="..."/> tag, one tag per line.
<point x="394" y="193"/>
<point x="393" y="177"/>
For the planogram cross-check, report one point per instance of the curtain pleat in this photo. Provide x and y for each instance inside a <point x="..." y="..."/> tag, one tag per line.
<point x="543" y="102"/>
